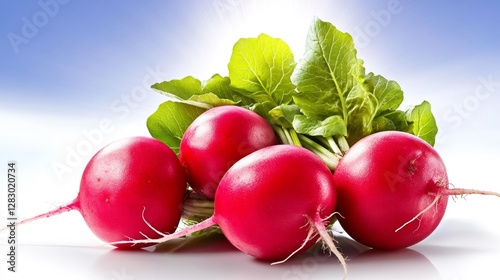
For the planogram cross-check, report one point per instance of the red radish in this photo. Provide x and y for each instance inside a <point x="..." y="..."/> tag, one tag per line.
<point x="272" y="204"/>
<point x="392" y="190"/>
<point x="126" y="182"/>
<point x="218" y="138"/>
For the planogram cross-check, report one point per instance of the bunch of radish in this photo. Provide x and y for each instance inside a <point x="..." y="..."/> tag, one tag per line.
<point x="273" y="157"/>
<point x="271" y="200"/>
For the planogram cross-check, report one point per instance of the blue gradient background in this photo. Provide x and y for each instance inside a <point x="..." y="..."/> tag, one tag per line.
<point x="88" y="59"/>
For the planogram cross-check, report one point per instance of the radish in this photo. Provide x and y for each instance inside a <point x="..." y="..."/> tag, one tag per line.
<point x="218" y="138"/>
<point x="272" y="204"/>
<point x="126" y="182"/>
<point x="392" y="190"/>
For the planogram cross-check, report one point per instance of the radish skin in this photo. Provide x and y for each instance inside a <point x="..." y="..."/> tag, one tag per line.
<point x="217" y="139"/>
<point x="124" y="181"/>
<point x="271" y="204"/>
<point x="392" y="190"/>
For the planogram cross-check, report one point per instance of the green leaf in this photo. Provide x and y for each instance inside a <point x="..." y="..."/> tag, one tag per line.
<point x="331" y="126"/>
<point x="327" y="72"/>
<point x="216" y="91"/>
<point x="211" y="99"/>
<point x="179" y="89"/>
<point x="260" y="68"/>
<point x="362" y="107"/>
<point x="170" y="120"/>
<point x="398" y="118"/>
<point x="423" y="123"/>
<point x="382" y="123"/>
<point x="283" y="115"/>
<point x="263" y="110"/>
<point x="391" y="120"/>
<point x="328" y="80"/>
<point x="388" y="93"/>
<point x="220" y="86"/>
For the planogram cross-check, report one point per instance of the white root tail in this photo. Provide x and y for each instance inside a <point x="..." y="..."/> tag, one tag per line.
<point x="150" y="226"/>
<point x="434" y="202"/>
<point x="309" y="236"/>
<point x="462" y="192"/>
<point x="448" y="192"/>
<point x="166" y="237"/>
<point x="317" y="226"/>
<point x="328" y="240"/>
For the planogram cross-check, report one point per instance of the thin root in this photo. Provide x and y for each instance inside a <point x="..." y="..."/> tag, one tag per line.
<point x="434" y="202"/>
<point x="325" y="236"/>
<point x="331" y="215"/>
<point x="309" y="236"/>
<point x="462" y="192"/>
<point x="166" y="237"/>
<point x="150" y="226"/>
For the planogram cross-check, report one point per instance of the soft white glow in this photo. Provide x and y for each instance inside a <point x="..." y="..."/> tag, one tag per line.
<point x="217" y="32"/>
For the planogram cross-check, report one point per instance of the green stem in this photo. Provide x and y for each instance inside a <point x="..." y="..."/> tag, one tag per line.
<point x="196" y="208"/>
<point x="335" y="148"/>
<point x="317" y="146"/>
<point x="281" y="134"/>
<point x="322" y="140"/>
<point x="197" y="211"/>
<point x="330" y="159"/>
<point x="295" y="137"/>
<point x="291" y="137"/>
<point x="288" y="136"/>
<point x="343" y="144"/>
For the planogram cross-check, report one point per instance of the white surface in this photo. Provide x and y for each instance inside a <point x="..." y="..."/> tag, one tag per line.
<point x="462" y="248"/>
